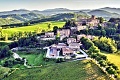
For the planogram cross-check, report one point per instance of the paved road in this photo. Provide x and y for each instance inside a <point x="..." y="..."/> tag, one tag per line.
<point x="85" y="54"/>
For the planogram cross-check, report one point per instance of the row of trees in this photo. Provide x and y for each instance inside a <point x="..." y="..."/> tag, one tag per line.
<point x="102" y="60"/>
<point x="86" y="42"/>
<point x="102" y="32"/>
<point x="109" y="67"/>
<point x="4" y="52"/>
<point x="20" y="34"/>
<point x="11" y="62"/>
<point x="102" y="43"/>
<point x="105" y="44"/>
<point x="16" y="35"/>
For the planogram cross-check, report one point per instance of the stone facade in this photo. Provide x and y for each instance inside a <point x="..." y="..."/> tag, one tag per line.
<point x="88" y="21"/>
<point x="71" y="40"/>
<point x="67" y="51"/>
<point x="63" y="32"/>
<point x="74" y="46"/>
<point x="49" y="34"/>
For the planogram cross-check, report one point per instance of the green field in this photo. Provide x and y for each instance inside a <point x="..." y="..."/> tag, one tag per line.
<point x="3" y="71"/>
<point x="32" y="28"/>
<point x="33" y="59"/>
<point x="113" y="58"/>
<point x="78" y="70"/>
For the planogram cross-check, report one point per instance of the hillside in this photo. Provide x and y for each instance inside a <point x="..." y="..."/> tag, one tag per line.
<point x="101" y="13"/>
<point x="22" y="17"/>
<point x="44" y="12"/>
<point x="36" y="16"/>
<point x="6" y="21"/>
<point x="111" y="10"/>
<point x="78" y="70"/>
<point x="3" y="71"/>
<point x="20" y="11"/>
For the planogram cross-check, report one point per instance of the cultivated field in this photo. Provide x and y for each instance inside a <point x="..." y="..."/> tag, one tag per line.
<point x="32" y="28"/>
<point x="113" y="58"/>
<point x="78" y="70"/>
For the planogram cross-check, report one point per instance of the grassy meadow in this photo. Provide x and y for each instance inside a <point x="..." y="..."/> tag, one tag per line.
<point x="32" y="28"/>
<point x="113" y="58"/>
<point x="77" y="70"/>
<point x="33" y="59"/>
<point x="3" y="71"/>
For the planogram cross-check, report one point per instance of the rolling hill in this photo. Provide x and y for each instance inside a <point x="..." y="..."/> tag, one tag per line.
<point x="77" y="70"/>
<point x="111" y="10"/>
<point x="23" y="15"/>
<point x="6" y="21"/>
<point x="105" y="14"/>
<point x="20" y="11"/>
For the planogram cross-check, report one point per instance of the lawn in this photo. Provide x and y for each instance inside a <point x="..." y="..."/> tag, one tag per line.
<point x="32" y="28"/>
<point x="33" y="59"/>
<point x="77" y="70"/>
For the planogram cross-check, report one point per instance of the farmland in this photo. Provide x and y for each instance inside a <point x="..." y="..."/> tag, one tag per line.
<point x="32" y="28"/>
<point x="114" y="58"/>
<point x="78" y="70"/>
<point x="3" y="71"/>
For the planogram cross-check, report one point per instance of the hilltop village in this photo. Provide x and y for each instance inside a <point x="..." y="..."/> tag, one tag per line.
<point x="82" y="39"/>
<point x="70" y="42"/>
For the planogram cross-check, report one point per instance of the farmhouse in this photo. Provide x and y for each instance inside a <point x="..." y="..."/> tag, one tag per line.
<point x="59" y="45"/>
<point x="67" y="51"/>
<point x="74" y="46"/>
<point x="80" y="36"/>
<point x="71" y="40"/>
<point x="88" y="21"/>
<point x="81" y="27"/>
<point x="83" y="35"/>
<point x="53" y="51"/>
<point x="65" y="32"/>
<point x="48" y="36"/>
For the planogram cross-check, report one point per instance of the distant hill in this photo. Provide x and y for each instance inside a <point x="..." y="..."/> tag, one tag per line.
<point x="7" y="21"/>
<point x="60" y="16"/>
<point x="21" y="17"/>
<point x="20" y="11"/>
<point x="55" y="11"/>
<point x="45" y="12"/>
<point x="111" y="10"/>
<point x="105" y="14"/>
